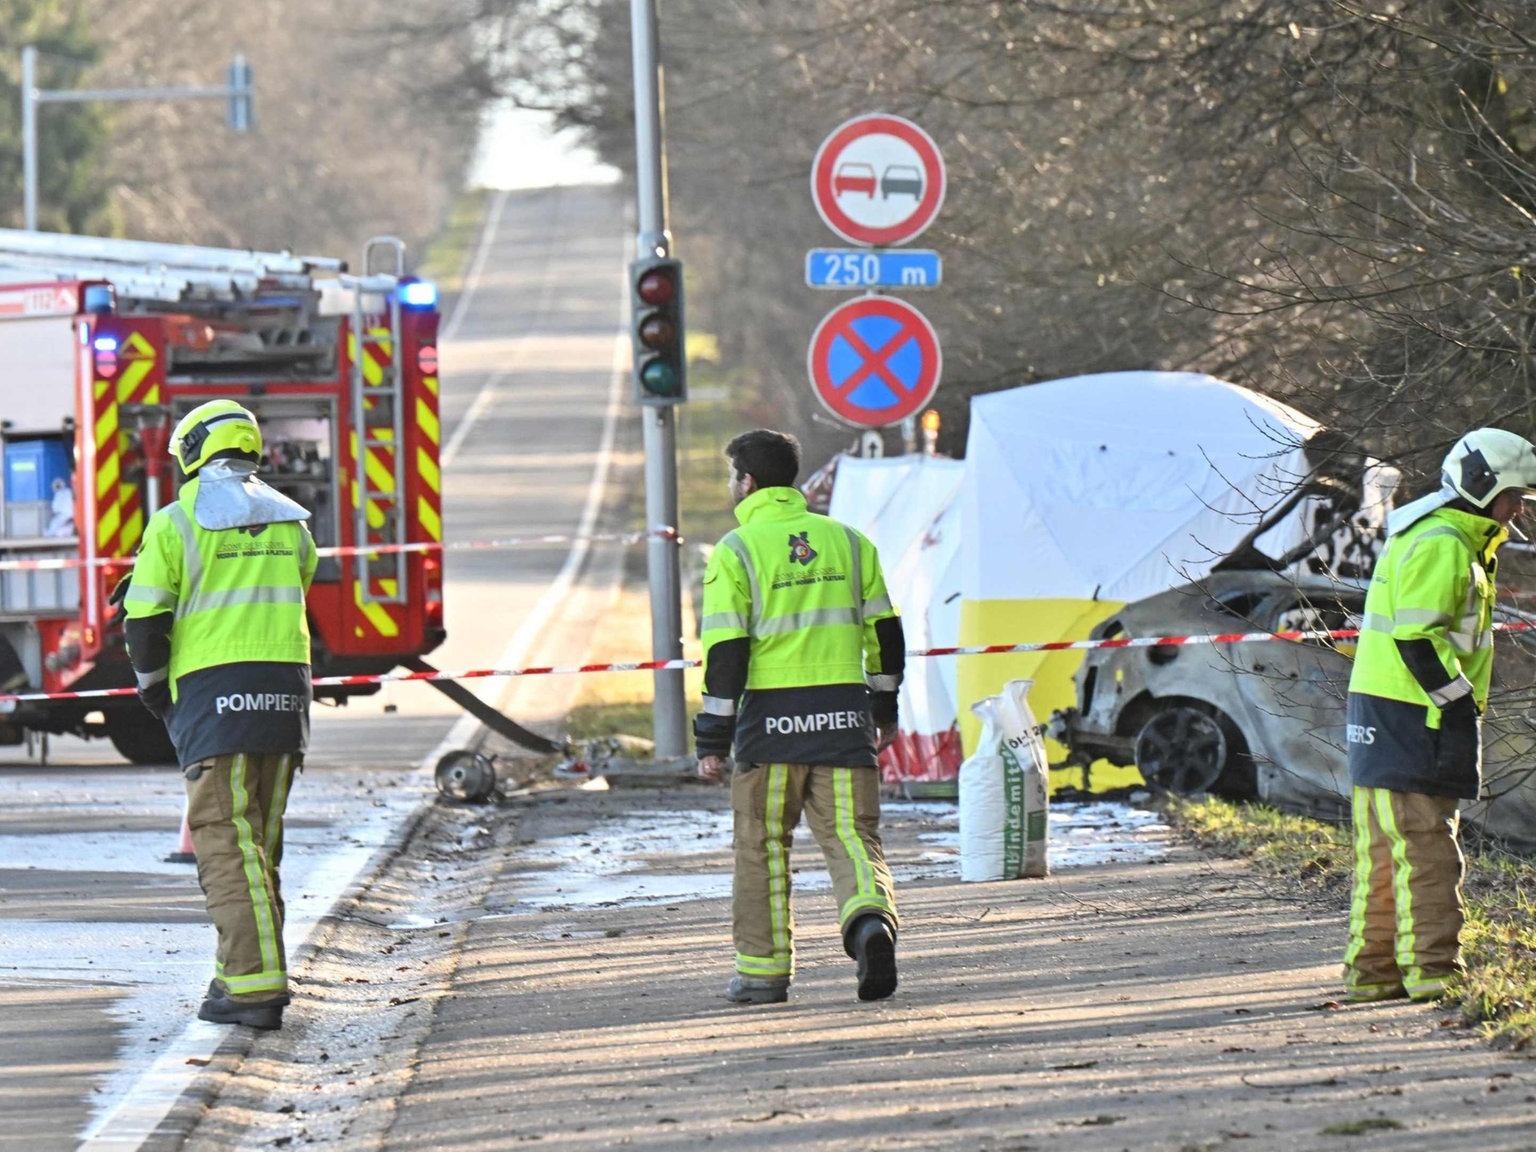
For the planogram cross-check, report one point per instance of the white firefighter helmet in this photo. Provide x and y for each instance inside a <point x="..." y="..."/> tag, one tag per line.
<point x="1483" y="463"/>
<point x="1487" y="461"/>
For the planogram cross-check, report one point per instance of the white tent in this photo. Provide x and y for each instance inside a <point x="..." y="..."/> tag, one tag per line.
<point x="1121" y="485"/>
<point x="1083" y="494"/>
<point x="906" y="506"/>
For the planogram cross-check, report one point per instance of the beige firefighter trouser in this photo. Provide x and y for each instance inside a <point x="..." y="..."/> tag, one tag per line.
<point x="235" y="811"/>
<point x="842" y="806"/>
<point x="1406" y="914"/>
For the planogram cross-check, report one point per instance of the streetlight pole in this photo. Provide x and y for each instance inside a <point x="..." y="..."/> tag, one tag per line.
<point x="29" y="133"/>
<point x="237" y="91"/>
<point x="659" y="437"/>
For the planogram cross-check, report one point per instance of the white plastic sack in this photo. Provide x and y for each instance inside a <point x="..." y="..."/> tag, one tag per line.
<point x="1003" y="804"/>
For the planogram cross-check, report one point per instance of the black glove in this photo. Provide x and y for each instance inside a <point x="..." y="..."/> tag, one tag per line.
<point x="1459" y="744"/>
<point x="712" y="735"/>
<point x="156" y="699"/>
<point x="118" y="595"/>
<point x="882" y="709"/>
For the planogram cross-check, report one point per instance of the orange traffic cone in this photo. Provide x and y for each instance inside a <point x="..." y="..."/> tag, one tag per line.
<point x="184" y="854"/>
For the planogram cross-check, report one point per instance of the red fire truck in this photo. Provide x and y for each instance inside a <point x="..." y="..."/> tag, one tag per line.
<point x="104" y="345"/>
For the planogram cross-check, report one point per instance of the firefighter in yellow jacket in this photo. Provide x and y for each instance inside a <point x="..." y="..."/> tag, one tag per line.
<point x="1416" y="693"/>
<point x="803" y="656"/>
<point x="220" y="645"/>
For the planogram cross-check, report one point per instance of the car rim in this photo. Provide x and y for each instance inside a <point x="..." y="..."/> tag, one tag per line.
<point x="1181" y="750"/>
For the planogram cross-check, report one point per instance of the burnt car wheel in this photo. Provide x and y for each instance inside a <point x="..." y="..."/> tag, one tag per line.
<point x="1183" y="750"/>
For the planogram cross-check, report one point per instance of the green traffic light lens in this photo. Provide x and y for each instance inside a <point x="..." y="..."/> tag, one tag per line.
<point x="659" y="378"/>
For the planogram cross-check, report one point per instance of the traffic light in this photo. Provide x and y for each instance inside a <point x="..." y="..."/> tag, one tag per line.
<point x="656" y="297"/>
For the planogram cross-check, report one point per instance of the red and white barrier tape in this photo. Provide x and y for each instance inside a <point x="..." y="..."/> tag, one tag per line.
<point x="62" y="562"/>
<point x="668" y="665"/>
<point x="665" y="665"/>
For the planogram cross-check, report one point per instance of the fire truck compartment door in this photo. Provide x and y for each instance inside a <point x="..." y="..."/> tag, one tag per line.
<point x="40" y="360"/>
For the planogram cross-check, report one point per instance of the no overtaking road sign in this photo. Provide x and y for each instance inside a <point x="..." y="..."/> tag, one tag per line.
<point x="878" y="180"/>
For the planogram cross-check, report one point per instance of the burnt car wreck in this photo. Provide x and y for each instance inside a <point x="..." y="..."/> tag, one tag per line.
<point x="1264" y="720"/>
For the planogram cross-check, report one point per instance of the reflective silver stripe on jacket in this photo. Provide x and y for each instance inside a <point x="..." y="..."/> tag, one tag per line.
<point x="723" y="620"/>
<point x="1375" y="622"/>
<point x="1450" y="693"/>
<point x="880" y="682"/>
<point x="1423" y="617"/>
<point x="162" y="598"/>
<point x="856" y="574"/>
<point x="719" y="706"/>
<point x="254" y="594"/>
<point x="1471" y="614"/>
<point x="733" y="542"/>
<point x="192" y="559"/>
<point x="798" y="620"/>
<point x="150" y="679"/>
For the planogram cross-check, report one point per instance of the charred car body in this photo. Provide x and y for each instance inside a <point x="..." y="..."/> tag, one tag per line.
<point x="1265" y="719"/>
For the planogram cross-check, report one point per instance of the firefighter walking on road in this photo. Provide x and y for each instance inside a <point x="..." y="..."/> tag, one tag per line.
<point x="803" y="656"/>
<point x="220" y="645"/>
<point x="1416" y="694"/>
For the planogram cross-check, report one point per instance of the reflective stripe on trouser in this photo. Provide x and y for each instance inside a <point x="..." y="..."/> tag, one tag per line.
<point x="842" y="807"/>
<point x="235" y="811"/>
<point x="1406" y="912"/>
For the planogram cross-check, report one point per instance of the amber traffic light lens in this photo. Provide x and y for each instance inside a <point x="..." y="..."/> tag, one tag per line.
<point x="658" y="332"/>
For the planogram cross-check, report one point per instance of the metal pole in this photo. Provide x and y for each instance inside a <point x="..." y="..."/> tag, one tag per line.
<point x="29" y="134"/>
<point x="651" y="209"/>
<point x="668" y="717"/>
<point x="32" y="96"/>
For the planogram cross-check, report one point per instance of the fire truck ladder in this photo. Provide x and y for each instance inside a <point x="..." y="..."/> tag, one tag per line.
<point x="153" y="271"/>
<point x="378" y="415"/>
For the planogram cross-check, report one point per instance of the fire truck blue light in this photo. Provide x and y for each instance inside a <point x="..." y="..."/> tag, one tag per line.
<point x="418" y="294"/>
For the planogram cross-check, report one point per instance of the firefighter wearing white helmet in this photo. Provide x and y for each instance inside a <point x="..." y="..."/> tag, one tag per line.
<point x="1416" y="693"/>
<point x="220" y="645"/>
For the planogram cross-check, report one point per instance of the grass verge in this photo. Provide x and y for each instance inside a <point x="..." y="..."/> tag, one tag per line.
<point x="447" y="256"/>
<point x="1498" y="941"/>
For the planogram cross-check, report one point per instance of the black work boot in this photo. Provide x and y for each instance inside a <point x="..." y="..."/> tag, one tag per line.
<point x="872" y="944"/>
<point x="219" y="1007"/>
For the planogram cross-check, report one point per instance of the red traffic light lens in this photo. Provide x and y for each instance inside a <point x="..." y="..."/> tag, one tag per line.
<point x="658" y="332"/>
<point x="656" y="287"/>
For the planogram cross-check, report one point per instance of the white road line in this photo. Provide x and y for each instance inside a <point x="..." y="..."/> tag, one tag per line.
<point x="477" y="409"/>
<point x="463" y="731"/>
<point x="152" y="1095"/>
<point x="487" y="394"/>
<point x="476" y="268"/>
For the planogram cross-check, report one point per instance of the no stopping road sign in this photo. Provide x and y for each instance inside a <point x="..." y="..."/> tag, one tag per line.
<point x="874" y="361"/>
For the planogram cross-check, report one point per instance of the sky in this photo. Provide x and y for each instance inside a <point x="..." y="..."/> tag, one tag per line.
<point x="519" y="149"/>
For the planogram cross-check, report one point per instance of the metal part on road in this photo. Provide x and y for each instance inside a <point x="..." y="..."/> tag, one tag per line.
<point x="483" y="712"/>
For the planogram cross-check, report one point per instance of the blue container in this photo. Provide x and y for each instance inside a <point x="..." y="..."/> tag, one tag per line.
<point x="31" y="467"/>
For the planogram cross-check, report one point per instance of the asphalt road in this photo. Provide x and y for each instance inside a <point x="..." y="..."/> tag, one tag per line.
<point x="104" y="951"/>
